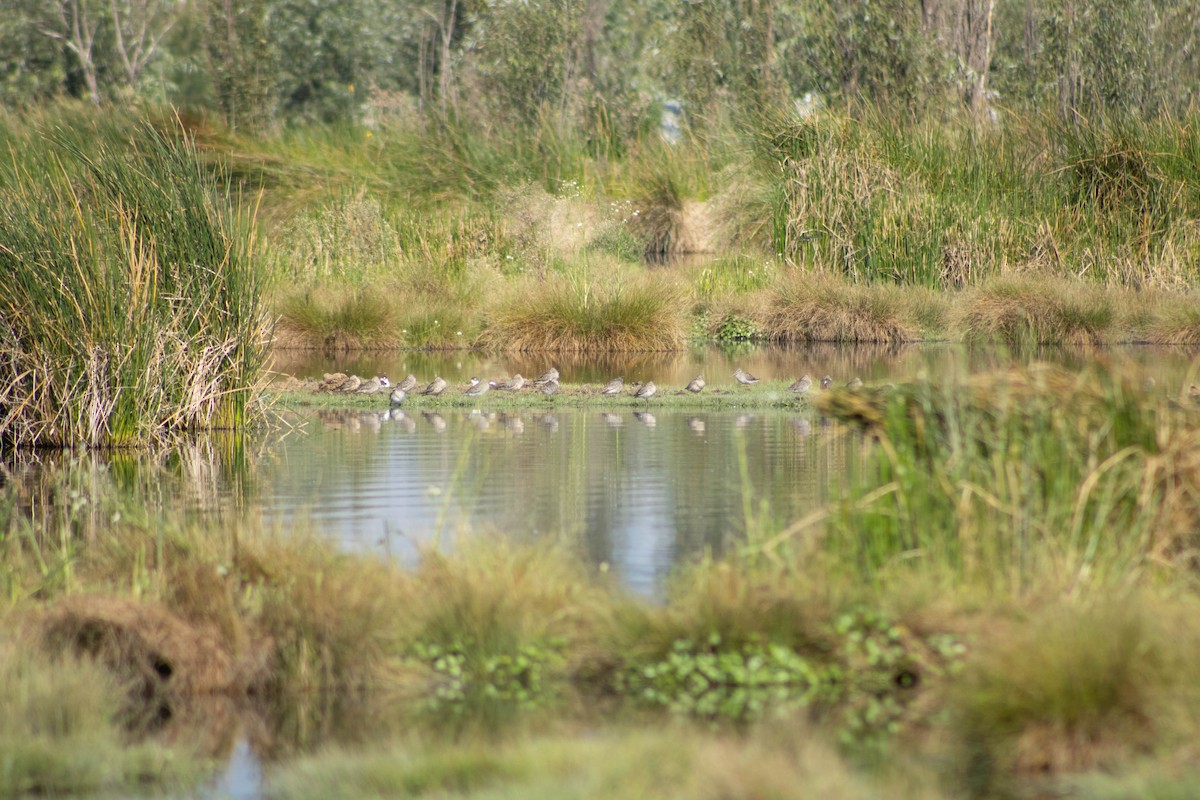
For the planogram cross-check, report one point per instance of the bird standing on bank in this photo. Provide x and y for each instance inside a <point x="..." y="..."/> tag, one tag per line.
<point x="398" y="395"/>
<point x="697" y="385"/>
<point x="332" y="382"/>
<point x="826" y="382"/>
<point x="436" y="387"/>
<point x="646" y="391"/>
<point x="550" y="388"/>
<point x="743" y="377"/>
<point x="549" y="376"/>
<point x="409" y="383"/>
<point x="513" y="384"/>
<point x="615" y="386"/>
<point x="801" y="386"/>
<point x="478" y="388"/>
<point x="351" y="385"/>
<point x="373" y="385"/>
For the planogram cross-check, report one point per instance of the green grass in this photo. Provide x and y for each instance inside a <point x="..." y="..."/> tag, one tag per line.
<point x="1019" y="479"/>
<point x="61" y="732"/>
<point x="1076" y="689"/>
<point x="615" y="762"/>
<point x="577" y="313"/>
<point x="133" y="291"/>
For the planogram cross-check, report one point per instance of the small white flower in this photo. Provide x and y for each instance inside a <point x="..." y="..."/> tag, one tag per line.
<point x="459" y="333"/>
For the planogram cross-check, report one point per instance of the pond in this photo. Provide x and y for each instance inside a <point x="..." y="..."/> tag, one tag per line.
<point x="638" y="491"/>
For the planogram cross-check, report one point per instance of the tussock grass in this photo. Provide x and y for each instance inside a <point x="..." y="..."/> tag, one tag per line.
<point x="61" y="730"/>
<point x="132" y="309"/>
<point x="578" y="314"/>
<point x="1080" y="687"/>
<point x="1175" y="320"/>
<point x="818" y="308"/>
<point x="338" y="322"/>
<point x="1029" y="310"/>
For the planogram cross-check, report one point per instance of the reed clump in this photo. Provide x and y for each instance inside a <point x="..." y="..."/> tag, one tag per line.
<point x="1100" y="456"/>
<point x="1083" y="686"/>
<point x="1029" y="310"/>
<point x="62" y="732"/>
<point x="820" y="308"/>
<point x="573" y="314"/>
<point x="133" y="306"/>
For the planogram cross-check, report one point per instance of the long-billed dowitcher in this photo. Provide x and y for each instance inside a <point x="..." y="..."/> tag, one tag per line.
<point x="801" y="386"/>
<point x="436" y="386"/>
<point x="615" y="386"/>
<point x="646" y="391"/>
<point x="743" y="377"/>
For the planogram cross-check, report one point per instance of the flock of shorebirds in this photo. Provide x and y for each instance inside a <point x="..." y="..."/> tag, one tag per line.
<point x="547" y="384"/>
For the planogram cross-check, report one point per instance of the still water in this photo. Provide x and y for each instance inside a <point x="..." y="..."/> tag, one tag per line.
<point x="638" y="490"/>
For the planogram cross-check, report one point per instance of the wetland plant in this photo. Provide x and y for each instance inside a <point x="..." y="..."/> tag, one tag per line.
<point x="132" y="307"/>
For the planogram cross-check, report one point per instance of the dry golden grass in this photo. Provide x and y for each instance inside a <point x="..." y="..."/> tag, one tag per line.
<point x="820" y="308"/>
<point x="1037" y="309"/>
<point x="575" y="314"/>
<point x="1083" y="686"/>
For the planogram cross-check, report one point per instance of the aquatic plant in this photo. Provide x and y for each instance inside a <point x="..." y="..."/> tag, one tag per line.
<point x="62" y="729"/>
<point x="585" y="315"/>
<point x="133" y="305"/>
<point x="1033" y="310"/>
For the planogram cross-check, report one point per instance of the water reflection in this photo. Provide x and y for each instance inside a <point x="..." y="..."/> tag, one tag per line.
<point x="640" y="489"/>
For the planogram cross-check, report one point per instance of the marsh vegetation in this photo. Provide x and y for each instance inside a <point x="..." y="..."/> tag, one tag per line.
<point x="1000" y="598"/>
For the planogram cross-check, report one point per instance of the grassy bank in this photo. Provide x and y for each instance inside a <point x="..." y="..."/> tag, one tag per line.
<point x="834" y="227"/>
<point x="972" y="617"/>
<point x="132" y="303"/>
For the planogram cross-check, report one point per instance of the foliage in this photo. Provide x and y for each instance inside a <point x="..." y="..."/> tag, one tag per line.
<point x="133" y="306"/>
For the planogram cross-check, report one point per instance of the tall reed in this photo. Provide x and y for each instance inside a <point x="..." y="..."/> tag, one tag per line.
<point x="132" y="308"/>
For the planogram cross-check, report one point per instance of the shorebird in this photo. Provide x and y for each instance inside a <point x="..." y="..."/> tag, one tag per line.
<point x="743" y="377"/>
<point x="409" y="383"/>
<point x="332" y="381"/>
<point x="436" y="387"/>
<point x="478" y="388"/>
<point x="826" y="382"/>
<point x="801" y="386"/>
<point x="697" y="385"/>
<point x="351" y="385"/>
<point x="855" y="384"/>
<point x="615" y="386"/>
<point x="550" y="375"/>
<point x="373" y="385"/>
<point x="550" y="388"/>
<point x="646" y="391"/>
<point x="398" y="395"/>
<point x="513" y="384"/>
